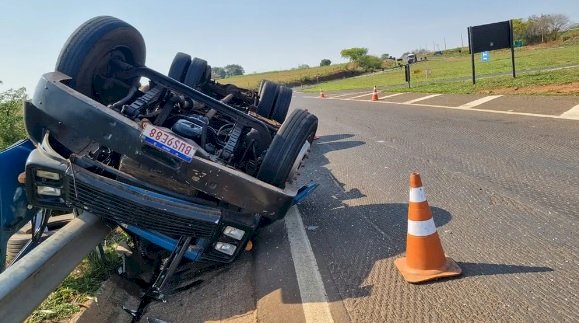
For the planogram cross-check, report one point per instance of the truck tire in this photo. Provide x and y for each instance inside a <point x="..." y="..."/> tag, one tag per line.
<point x="195" y="76"/>
<point x="267" y="99"/>
<point x="260" y="87"/>
<point x="208" y="74"/>
<point x="87" y="54"/>
<point x="18" y="240"/>
<point x="282" y="103"/>
<point x="287" y="147"/>
<point x="179" y="66"/>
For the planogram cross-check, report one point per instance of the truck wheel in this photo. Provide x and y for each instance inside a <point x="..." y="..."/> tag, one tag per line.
<point x="196" y="73"/>
<point x="260" y="87"/>
<point x="87" y="55"/>
<point x="267" y="99"/>
<point x="282" y="103"/>
<point x="179" y="66"/>
<point x="288" y="148"/>
<point x="18" y="240"/>
<point x="208" y="74"/>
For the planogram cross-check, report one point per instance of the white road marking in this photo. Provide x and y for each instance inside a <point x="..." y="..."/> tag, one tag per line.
<point x="422" y="98"/>
<point x="359" y="96"/>
<point x="346" y="94"/>
<point x="389" y="96"/>
<point x="469" y="109"/>
<point x="480" y="101"/>
<point x="312" y="291"/>
<point x="572" y="113"/>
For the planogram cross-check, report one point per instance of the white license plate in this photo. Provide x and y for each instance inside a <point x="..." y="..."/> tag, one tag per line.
<point x="168" y="142"/>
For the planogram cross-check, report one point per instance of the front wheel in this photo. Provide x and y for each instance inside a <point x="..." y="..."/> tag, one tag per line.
<point x="88" y="54"/>
<point x="288" y="148"/>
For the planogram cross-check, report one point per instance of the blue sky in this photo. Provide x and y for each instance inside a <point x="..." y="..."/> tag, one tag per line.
<point x="259" y="35"/>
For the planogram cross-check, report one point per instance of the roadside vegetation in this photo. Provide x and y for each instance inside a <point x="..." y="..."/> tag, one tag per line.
<point x="81" y="285"/>
<point x="451" y="72"/>
<point x="293" y="77"/>
<point x="549" y="42"/>
<point x="11" y="118"/>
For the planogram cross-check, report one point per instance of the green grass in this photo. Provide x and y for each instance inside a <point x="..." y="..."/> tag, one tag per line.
<point x="251" y="81"/>
<point x="501" y="83"/>
<point x="80" y="285"/>
<point x="457" y="67"/>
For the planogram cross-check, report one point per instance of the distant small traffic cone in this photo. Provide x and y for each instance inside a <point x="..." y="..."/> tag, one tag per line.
<point x="425" y="259"/>
<point x="375" y="94"/>
<point x="322" y="95"/>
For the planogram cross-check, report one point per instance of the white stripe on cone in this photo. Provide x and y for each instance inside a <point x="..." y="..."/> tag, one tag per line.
<point x="421" y="228"/>
<point x="417" y="194"/>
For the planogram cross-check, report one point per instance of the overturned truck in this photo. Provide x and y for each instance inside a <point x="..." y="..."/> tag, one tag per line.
<point x="179" y="160"/>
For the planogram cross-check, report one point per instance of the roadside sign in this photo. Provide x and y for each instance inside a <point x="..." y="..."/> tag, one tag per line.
<point x="485" y="56"/>
<point x="407" y="73"/>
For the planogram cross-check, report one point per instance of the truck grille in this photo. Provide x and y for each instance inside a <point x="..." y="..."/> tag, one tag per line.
<point x="116" y="204"/>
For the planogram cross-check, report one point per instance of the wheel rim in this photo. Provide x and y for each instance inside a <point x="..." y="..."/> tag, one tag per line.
<point x="107" y="87"/>
<point x="298" y="162"/>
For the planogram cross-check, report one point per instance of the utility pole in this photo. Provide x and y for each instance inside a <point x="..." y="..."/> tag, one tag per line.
<point x="461" y="41"/>
<point x="444" y="43"/>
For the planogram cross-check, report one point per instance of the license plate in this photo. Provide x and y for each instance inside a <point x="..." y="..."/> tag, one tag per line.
<point x="167" y="142"/>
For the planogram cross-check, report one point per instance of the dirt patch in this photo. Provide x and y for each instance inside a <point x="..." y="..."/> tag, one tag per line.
<point x="553" y="89"/>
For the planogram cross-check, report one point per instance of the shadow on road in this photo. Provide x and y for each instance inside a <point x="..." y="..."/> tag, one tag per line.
<point x="350" y="236"/>
<point x="480" y="269"/>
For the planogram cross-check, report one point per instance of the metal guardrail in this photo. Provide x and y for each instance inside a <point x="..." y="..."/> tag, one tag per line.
<point x="24" y="285"/>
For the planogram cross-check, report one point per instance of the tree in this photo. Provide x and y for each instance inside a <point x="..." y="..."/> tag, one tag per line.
<point x="370" y="63"/>
<point x="303" y="66"/>
<point x="354" y="54"/>
<point x="385" y="56"/>
<point x="560" y="23"/>
<point x="11" y="119"/>
<point x="546" y="27"/>
<point x="325" y="62"/>
<point x="233" y="70"/>
<point x="218" y="73"/>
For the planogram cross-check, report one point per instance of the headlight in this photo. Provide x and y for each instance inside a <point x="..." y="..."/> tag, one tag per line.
<point x="47" y="190"/>
<point x="226" y="248"/>
<point x="47" y="174"/>
<point x="234" y="233"/>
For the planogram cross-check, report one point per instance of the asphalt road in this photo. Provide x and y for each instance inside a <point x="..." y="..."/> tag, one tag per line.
<point x="505" y="196"/>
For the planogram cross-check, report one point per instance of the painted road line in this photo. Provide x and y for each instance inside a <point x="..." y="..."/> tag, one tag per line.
<point x="346" y="94"/>
<point x="470" y="109"/>
<point x="422" y="98"/>
<point x="312" y="291"/>
<point x="389" y="96"/>
<point x="573" y="113"/>
<point x="480" y="101"/>
<point x="359" y="96"/>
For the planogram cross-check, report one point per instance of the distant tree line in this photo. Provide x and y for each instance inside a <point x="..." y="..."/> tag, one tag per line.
<point x="227" y="71"/>
<point x="359" y="56"/>
<point x="540" y="29"/>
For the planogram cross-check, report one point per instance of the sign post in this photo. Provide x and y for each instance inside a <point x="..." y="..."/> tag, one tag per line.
<point x="484" y="38"/>
<point x="512" y="47"/>
<point x="407" y="73"/>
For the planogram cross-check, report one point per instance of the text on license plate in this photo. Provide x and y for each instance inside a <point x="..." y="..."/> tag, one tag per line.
<point x="167" y="142"/>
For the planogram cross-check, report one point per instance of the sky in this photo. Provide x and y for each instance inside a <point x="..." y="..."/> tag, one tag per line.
<point x="258" y="35"/>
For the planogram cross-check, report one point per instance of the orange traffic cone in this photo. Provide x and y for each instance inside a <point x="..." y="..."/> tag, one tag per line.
<point x="375" y="94"/>
<point x="322" y="95"/>
<point x="425" y="259"/>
